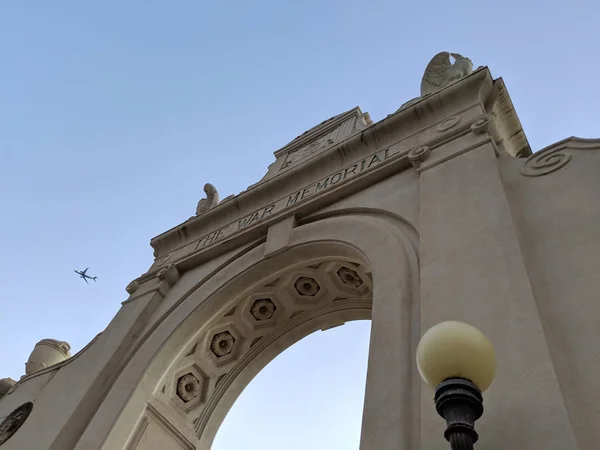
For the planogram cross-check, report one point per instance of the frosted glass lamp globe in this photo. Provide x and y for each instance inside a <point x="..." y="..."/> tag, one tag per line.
<point x="456" y="350"/>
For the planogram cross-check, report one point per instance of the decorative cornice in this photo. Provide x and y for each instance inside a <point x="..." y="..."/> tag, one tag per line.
<point x="508" y="131"/>
<point x="556" y="156"/>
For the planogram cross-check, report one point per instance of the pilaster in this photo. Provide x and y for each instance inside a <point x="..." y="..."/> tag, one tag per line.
<point x="472" y="270"/>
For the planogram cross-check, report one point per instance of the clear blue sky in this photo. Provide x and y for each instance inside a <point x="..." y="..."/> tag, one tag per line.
<point x="114" y="114"/>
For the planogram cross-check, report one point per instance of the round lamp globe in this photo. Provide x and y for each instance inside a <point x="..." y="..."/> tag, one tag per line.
<point x="455" y="349"/>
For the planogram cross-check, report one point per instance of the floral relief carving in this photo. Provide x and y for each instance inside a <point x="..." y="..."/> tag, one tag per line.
<point x="263" y="309"/>
<point x="188" y="387"/>
<point x="307" y="286"/>
<point x="222" y="344"/>
<point x="349" y="277"/>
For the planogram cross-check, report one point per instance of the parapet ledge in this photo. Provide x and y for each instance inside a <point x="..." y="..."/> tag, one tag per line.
<point x="51" y="368"/>
<point x="573" y="142"/>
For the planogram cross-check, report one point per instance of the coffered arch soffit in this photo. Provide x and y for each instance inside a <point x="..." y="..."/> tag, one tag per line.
<point x="358" y="251"/>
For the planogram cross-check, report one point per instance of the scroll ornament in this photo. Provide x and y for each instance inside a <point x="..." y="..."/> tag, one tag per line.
<point x="543" y="163"/>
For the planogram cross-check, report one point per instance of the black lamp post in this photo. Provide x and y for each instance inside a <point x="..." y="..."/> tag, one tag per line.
<point x="459" y="362"/>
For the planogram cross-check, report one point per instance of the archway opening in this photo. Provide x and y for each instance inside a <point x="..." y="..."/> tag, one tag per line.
<point x="309" y="396"/>
<point x="261" y="307"/>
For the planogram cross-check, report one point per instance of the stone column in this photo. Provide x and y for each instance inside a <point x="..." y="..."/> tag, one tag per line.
<point x="472" y="270"/>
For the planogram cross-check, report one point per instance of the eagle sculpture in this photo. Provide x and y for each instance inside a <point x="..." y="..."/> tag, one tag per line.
<point x="441" y="72"/>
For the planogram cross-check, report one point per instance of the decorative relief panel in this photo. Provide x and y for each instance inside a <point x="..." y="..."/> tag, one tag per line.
<point x="318" y="139"/>
<point x="317" y="146"/>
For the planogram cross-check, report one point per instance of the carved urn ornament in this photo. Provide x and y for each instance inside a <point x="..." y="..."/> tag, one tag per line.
<point x="46" y="353"/>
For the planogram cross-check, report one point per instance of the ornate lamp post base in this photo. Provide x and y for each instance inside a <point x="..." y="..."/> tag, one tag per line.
<point x="460" y="402"/>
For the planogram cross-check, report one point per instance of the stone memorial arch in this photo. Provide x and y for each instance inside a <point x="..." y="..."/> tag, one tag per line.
<point x="439" y="211"/>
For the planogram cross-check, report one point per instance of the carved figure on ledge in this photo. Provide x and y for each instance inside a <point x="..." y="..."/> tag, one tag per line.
<point x="211" y="200"/>
<point x="441" y="72"/>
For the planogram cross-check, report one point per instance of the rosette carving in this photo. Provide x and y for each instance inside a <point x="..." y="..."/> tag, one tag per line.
<point x="188" y="387"/>
<point x="350" y="277"/>
<point x="263" y="309"/>
<point x="307" y="286"/>
<point x="222" y="344"/>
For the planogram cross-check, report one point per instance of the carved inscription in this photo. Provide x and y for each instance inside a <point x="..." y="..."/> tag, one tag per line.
<point x="324" y="184"/>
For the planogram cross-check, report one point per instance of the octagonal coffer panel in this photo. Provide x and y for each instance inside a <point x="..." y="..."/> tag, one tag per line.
<point x="263" y="309"/>
<point x="307" y="286"/>
<point x="350" y="277"/>
<point x="188" y="387"/>
<point x="222" y="344"/>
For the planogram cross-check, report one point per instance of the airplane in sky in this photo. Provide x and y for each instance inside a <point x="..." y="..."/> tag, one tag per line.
<point x="84" y="276"/>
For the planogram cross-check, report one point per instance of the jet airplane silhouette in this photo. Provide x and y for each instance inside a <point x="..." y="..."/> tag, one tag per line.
<point x="82" y="274"/>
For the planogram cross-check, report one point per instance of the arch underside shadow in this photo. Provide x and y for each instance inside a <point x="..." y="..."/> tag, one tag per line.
<point x="359" y="256"/>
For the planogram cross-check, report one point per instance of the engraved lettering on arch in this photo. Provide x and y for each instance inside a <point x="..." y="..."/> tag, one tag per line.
<point x="330" y="181"/>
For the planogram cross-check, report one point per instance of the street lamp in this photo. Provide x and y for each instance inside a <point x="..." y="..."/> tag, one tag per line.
<point x="459" y="362"/>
